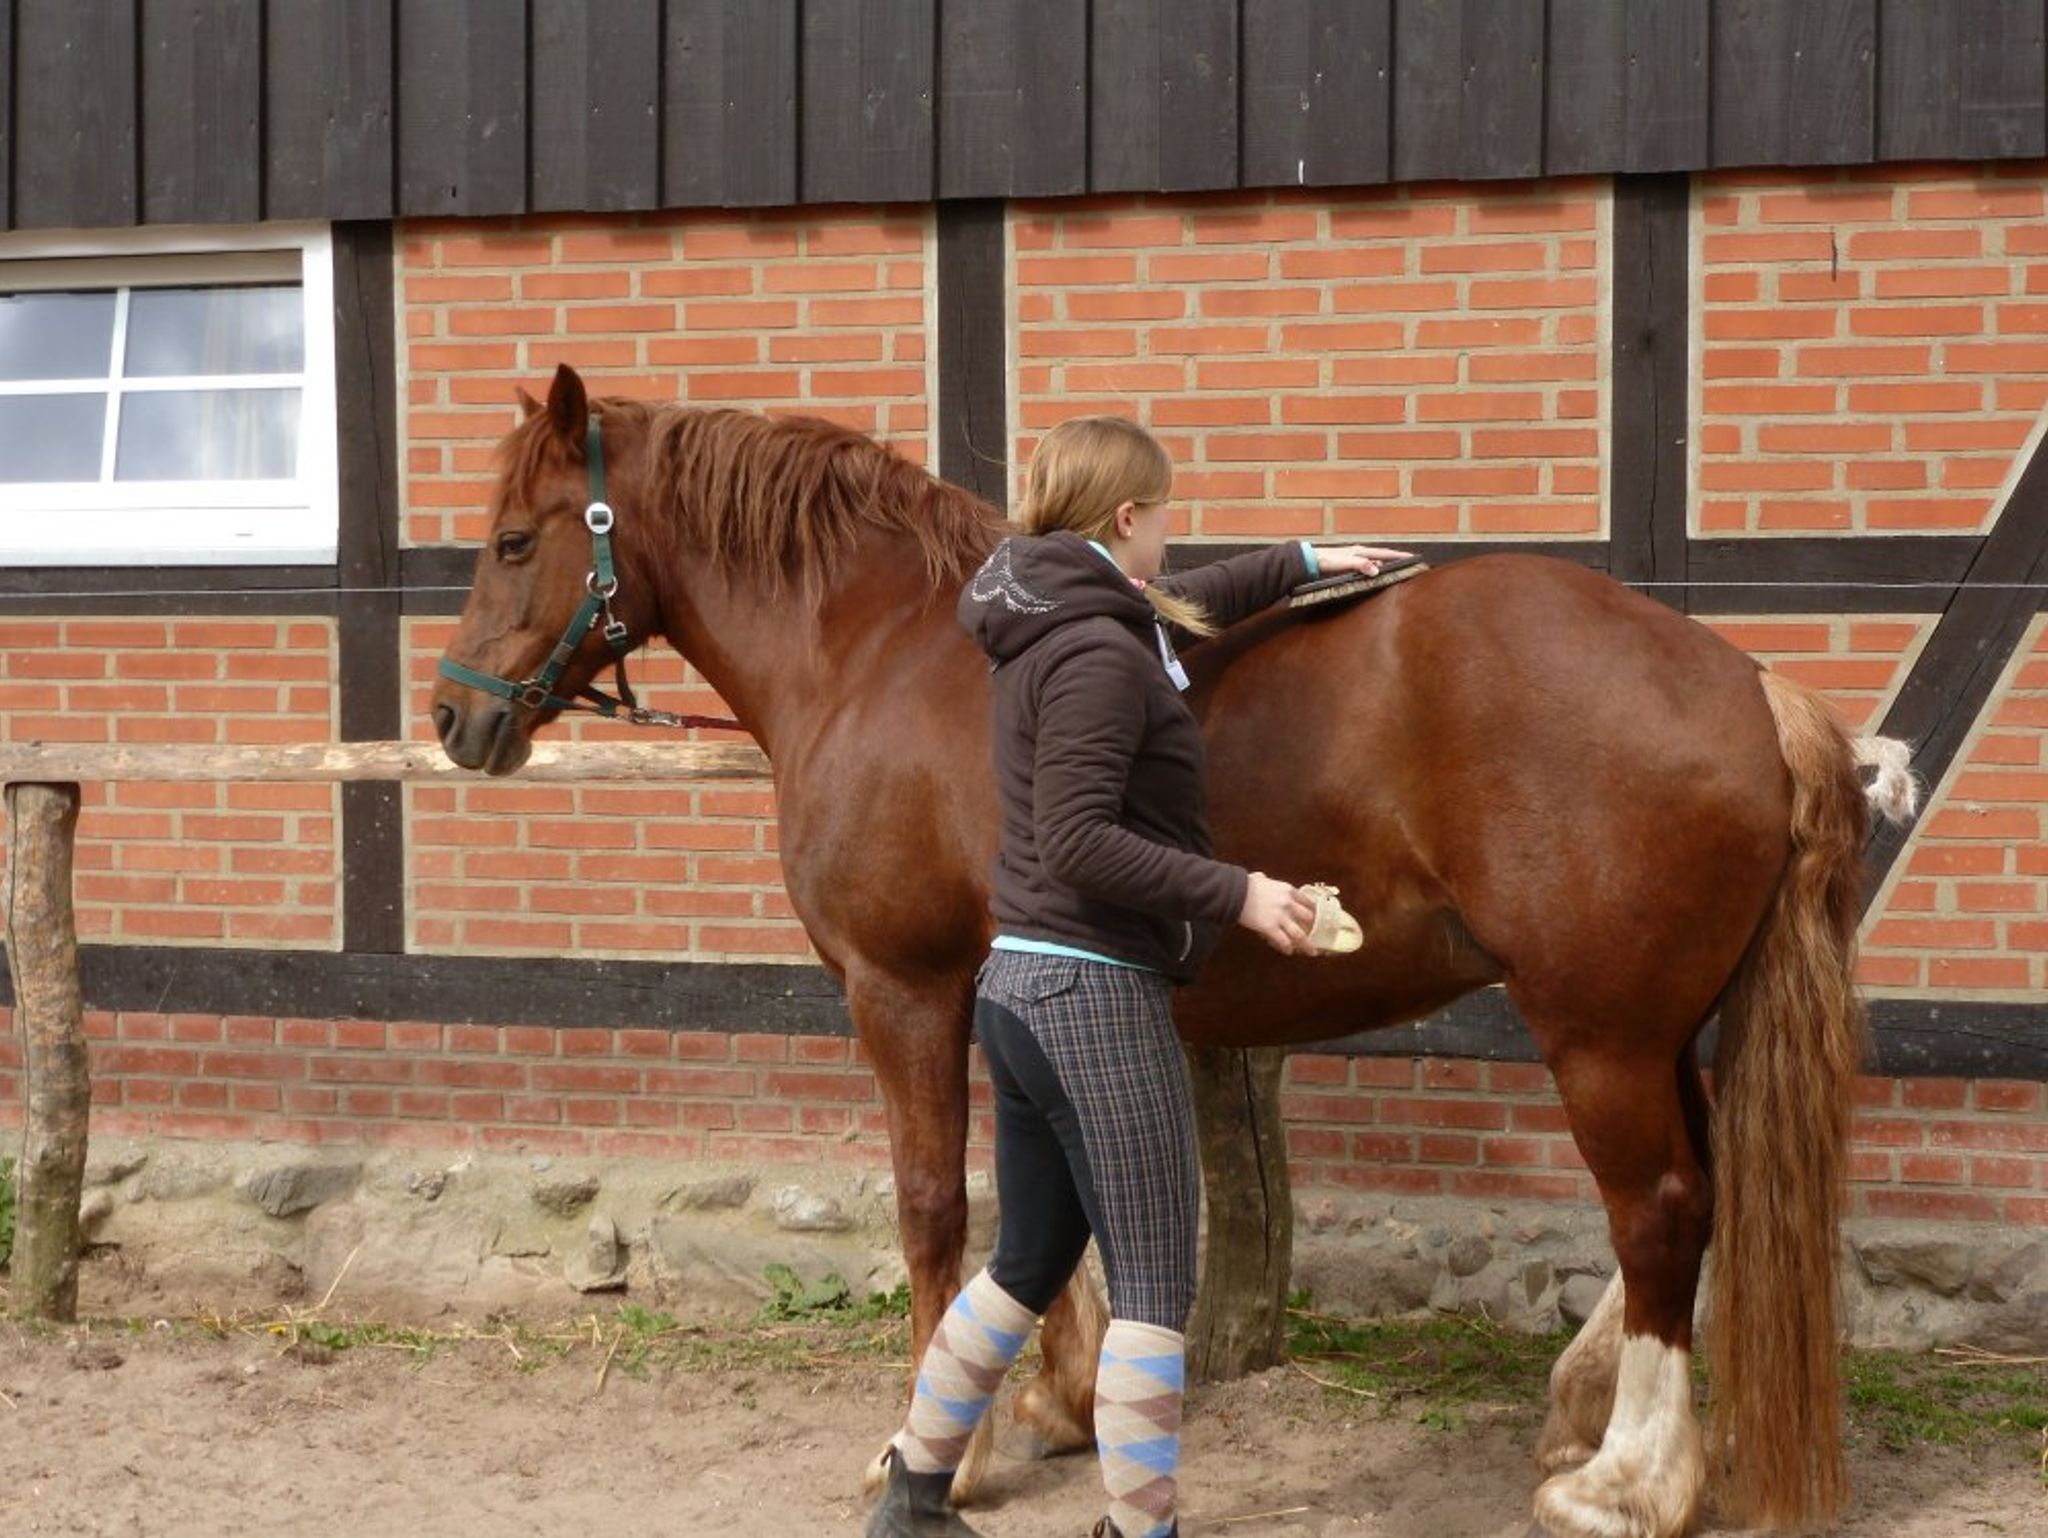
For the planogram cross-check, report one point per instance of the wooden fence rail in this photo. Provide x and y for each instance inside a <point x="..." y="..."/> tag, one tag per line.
<point x="42" y="799"/>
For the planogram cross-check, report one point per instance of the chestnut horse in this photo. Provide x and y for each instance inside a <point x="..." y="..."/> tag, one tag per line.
<point x="1518" y="772"/>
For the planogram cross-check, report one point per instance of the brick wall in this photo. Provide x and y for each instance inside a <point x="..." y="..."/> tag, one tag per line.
<point x="820" y="311"/>
<point x="246" y="864"/>
<point x="503" y="867"/>
<point x="1410" y="361"/>
<point x="1941" y="1148"/>
<point x="1869" y="346"/>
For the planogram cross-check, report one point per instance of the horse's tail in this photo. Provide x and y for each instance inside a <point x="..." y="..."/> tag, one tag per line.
<point x="1791" y="1039"/>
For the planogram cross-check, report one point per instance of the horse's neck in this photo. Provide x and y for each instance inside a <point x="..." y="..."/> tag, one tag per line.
<point x="783" y="662"/>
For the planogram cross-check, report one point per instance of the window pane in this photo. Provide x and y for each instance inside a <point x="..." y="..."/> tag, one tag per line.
<point x="215" y="331"/>
<point x="208" y="435"/>
<point x="56" y="336"/>
<point x="52" y="437"/>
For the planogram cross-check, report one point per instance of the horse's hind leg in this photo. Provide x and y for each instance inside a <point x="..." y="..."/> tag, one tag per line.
<point x="1639" y="1125"/>
<point x="1582" y="1387"/>
<point x="1057" y="1408"/>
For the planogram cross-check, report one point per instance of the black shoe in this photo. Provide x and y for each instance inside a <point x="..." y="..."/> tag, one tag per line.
<point x="915" y="1505"/>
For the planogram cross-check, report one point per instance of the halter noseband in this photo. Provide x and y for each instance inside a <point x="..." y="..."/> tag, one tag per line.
<point x="537" y="692"/>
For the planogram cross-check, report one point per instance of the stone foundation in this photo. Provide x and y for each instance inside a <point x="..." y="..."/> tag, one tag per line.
<point x="405" y="1236"/>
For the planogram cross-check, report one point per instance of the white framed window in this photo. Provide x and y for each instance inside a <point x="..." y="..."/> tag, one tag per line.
<point x="167" y="397"/>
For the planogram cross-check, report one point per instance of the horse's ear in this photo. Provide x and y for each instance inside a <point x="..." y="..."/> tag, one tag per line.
<point x="529" y="408"/>
<point x="568" y="404"/>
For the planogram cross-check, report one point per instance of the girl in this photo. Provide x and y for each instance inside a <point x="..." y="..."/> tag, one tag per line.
<point x="1105" y="897"/>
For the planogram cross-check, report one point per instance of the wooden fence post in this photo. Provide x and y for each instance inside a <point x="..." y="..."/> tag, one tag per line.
<point x="42" y="953"/>
<point x="1239" y="1324"/>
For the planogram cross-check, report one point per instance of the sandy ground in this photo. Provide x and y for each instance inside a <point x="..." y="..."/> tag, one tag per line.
<point x="176" y="1431"/>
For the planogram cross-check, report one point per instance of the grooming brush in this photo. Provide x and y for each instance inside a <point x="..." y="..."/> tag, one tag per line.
<point x="1336" y="932"/>
<point x="1348" y="585"/>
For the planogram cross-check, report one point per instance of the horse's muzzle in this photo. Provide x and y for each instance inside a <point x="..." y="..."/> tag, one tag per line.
<point x="485" y="737"/>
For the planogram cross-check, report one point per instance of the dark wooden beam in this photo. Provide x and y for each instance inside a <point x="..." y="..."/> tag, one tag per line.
<point x="1647" y="473"/>
<point x="1914" y="1038"/>
<point x="371" y="678"/>
<point x="973" y="407"/>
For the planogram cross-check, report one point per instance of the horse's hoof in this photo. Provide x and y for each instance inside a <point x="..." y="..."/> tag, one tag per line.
<point x="1043" y="1429"/>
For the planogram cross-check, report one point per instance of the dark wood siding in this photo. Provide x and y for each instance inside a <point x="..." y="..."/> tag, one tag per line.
<point x="869" y="100"/>
<point x="202" y="111"/>
<point x="462" y="107"/>
<point x="729" y="122"/>
<point x="209" y="111"/>
<point x="74" y="114"/>
<point x="328" y="88"/>
<point x="596" y="105"/>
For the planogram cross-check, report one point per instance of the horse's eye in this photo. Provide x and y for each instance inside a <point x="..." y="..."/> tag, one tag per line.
<point x="515" y="545"/>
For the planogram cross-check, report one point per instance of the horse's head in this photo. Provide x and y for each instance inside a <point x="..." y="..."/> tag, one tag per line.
<point x="541" y="619"/>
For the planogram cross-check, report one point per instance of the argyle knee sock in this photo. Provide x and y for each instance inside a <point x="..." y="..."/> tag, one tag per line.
<point x="1138" y="1386"/>
<point x="970" y="1351"/>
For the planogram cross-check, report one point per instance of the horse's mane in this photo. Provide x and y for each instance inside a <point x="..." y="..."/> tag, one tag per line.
<point x="787" y="498"/>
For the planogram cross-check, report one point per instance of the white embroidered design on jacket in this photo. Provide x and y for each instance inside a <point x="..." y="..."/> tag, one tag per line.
<point x="995" y="580"/>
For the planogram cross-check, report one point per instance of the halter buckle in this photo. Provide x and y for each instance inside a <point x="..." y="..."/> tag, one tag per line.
<point x="605" y="589"/>
<point x="533" y="696"/>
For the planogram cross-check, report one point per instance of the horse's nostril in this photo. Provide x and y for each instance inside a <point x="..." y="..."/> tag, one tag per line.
<point x="444" y="721"/>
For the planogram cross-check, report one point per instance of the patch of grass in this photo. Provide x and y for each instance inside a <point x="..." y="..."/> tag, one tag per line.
<point x="828" y="1300"/>
<point x="1904" y="1400"/>
<point x="330" y="1336"/>
<point x="1439" y="1370"/>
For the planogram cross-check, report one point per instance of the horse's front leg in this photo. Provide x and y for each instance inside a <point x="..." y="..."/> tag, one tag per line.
<point x="916" y="1039"/>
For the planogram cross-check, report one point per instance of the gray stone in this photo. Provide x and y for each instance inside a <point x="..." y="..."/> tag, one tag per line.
<point x="286" y="1189"/>
<point x="427" y="1185"/>
<point x="1469" y="1255"/>
<point x="710" y="1195"/>
<point x="564" y="1195"/>
<point x="95" y="1208"/>
<point x="805" y="1212"/>
<point x="517" y="1241"/>
<point x="1579" y="1296"/>
<point x="600" y="1266"/>
<point x="113" y="1169"/>
<point x="1535" y="1278"/>
<point x="1367" y="1283"/>
<point x="1940" y="1265"/>
<point x="2001" y="1278"/>
<point x="712" y="1265"/>
<point x="1488" y="1297"/>
<point x="2020" y="1328"/>
<point x="176" y="1180"/>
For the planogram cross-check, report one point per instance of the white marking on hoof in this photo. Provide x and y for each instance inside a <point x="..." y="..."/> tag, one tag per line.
<point x="1647" y="1478"/>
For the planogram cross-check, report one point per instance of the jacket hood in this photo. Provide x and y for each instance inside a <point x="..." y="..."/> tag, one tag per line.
<point x="1031" y="585"/>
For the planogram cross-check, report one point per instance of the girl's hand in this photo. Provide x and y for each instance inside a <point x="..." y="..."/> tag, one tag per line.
<point x="1279" y="915"/>
<point x="1365" y="558"/>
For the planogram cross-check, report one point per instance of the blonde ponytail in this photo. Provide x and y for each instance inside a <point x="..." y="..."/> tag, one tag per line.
<point x="1083" y="470"/>
<point x="1183" y="612"/>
